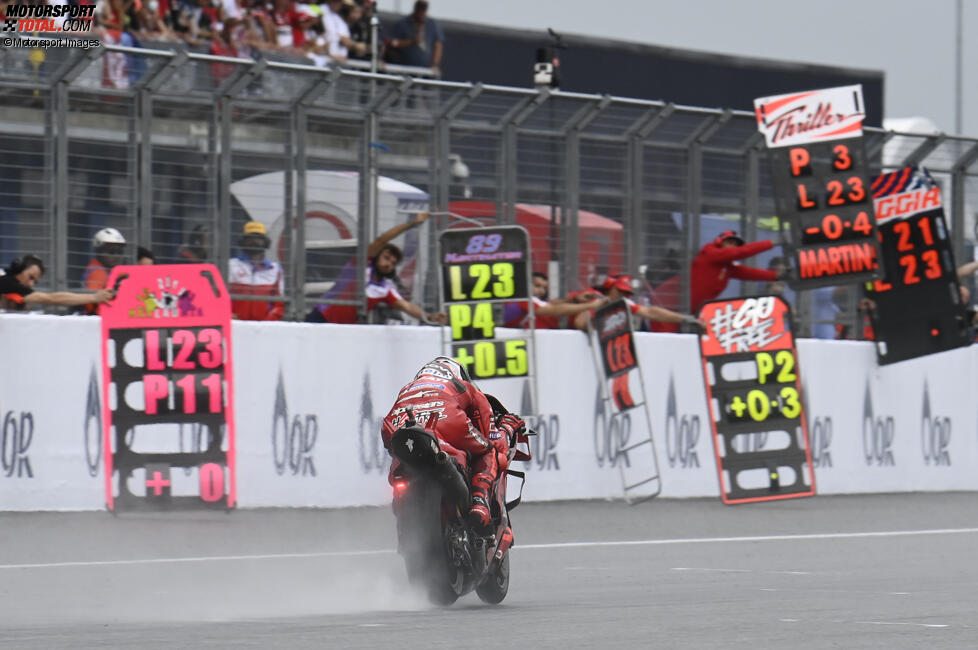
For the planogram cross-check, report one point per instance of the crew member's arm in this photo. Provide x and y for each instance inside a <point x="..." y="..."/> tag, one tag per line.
<point x="732" y="253"/>
<point x="387" y="236"/>
<point x="416" y="311"/>
<point x="751" y="273"/>
<point x="967" y="269"/>
<point x="664" y="315"/>
<point x="568" y="308"/>
<point x="69" y="299"/>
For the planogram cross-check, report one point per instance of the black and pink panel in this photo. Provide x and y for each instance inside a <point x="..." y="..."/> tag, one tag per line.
<point x="168" y="402"/>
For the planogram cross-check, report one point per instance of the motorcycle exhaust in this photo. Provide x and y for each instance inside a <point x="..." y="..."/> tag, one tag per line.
<point x="452" y="480"/>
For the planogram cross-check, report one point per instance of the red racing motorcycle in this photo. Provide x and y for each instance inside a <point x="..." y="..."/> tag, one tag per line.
<point x="442" y="551"/>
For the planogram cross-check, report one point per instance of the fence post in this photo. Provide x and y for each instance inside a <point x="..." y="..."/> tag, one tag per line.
<point x="959" y="172"/>
<point x="148" y="86"/>
<point x="299" y="128"/>
<point x="510" y="123"/>
<point x="224" y="95"/>
<point x="924" y="149"/>
<point x="440" y="196"/>
<point x="876" y="148"/>
<point x="569" y="217"/>
<point x="694" y="195"/>
<point x="367" y="201"/>
<point x="636" y="135"/>
<point x="59" y="230"/>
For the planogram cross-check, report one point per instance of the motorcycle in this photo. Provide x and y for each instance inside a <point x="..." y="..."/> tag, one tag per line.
<point x="444" y="554"/>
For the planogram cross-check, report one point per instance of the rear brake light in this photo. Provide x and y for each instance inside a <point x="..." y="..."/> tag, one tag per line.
<point x="400" y="486"/>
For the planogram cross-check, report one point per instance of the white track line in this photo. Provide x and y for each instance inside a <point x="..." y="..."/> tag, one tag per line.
<point x="204" y="558"/>
<point x="519" y="547"/>
<point x="757" y="538"/>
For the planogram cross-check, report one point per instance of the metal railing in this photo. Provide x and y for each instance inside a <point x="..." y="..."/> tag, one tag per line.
<point x="178" y="150"/>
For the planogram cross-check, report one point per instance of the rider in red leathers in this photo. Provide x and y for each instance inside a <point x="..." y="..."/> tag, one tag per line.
<point x="446" y="402"/>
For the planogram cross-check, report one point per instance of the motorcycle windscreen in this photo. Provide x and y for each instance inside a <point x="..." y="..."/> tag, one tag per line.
<point x="168" y="392"/>
<point x="753" y="387"/>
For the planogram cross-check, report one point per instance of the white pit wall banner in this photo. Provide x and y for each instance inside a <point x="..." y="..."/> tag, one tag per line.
<point x="311" y="397"/>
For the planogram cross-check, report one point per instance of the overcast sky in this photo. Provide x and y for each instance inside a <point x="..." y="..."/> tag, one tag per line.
<point x="912" y="42"/>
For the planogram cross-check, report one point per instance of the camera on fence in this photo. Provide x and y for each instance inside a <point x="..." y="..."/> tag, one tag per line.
<point x="546" y="70"/>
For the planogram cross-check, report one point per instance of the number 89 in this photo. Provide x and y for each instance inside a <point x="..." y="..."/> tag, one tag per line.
<point x="484" y="243"/>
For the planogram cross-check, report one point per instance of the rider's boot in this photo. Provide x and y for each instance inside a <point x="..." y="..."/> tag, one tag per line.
<point x="479" y="512"/>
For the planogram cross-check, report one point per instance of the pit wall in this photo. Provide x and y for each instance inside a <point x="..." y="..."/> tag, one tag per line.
<point x="309" y="400"/>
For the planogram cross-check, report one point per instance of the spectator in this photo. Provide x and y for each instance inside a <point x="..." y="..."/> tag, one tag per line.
<point x="546" y="314"/>
<point x="145" y="257"/>
<point x="195" y="250"/>
<point x="17" y="288"/>
<point x="970" y="313"/>
<point x="336" y="43"/>
<point x="285" y="26"/>
<point x="418" y="40"/>
<point x="825" y="312"/>
<point x="253" y="274"/>
<point x="110" y="247"/>
<point x="776" y="287"/>
<point x="358" y="19"/>
<point x="865" y="314"/>
<point x="620" y="287"/>
<point x="383" y="258"/>
<point x="238" y="38"/>
<point x="151" y="25"/>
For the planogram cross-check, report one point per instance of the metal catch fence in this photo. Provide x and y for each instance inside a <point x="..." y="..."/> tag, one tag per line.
<point x="178" y="150"/>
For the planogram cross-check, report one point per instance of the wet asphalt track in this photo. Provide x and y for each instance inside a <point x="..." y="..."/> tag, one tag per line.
<point x="882" y="571"/>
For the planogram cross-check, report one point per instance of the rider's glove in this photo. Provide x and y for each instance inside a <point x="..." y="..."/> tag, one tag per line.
<point x="511" y="425"/>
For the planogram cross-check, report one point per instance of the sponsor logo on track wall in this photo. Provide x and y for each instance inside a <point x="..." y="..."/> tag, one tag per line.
<point x="682" y="433"/>
<point x="373" y="456"/>
<point x="612" y="430"/>
<point x="819" y="435"/>
<point x="871" y="429"/>
<point x="935" y="434"/>
<point x="879" y="432"/>
<point x="93" y="425"/>
<point x="820" y="439"/>
<point x="293" y="438"/>
<point x="16" y="435"/>
<point x="543" y="445"/>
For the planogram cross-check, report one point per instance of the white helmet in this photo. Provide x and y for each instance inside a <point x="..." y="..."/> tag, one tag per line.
<point x="445" y="368"/>
<point x="108" y="236"/>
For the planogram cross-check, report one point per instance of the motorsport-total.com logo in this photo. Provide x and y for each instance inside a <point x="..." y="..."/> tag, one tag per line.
<point x="49" y="19"/>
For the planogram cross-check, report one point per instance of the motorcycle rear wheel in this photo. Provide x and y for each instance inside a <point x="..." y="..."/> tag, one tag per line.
<point x="496" y="585"/>
<point x="427" y="548"/>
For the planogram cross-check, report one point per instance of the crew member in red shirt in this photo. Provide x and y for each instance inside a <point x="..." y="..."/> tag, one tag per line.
<point x="546" y="314"/>
<point x="620" y="287"/>
<point x="712" y="269"/>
